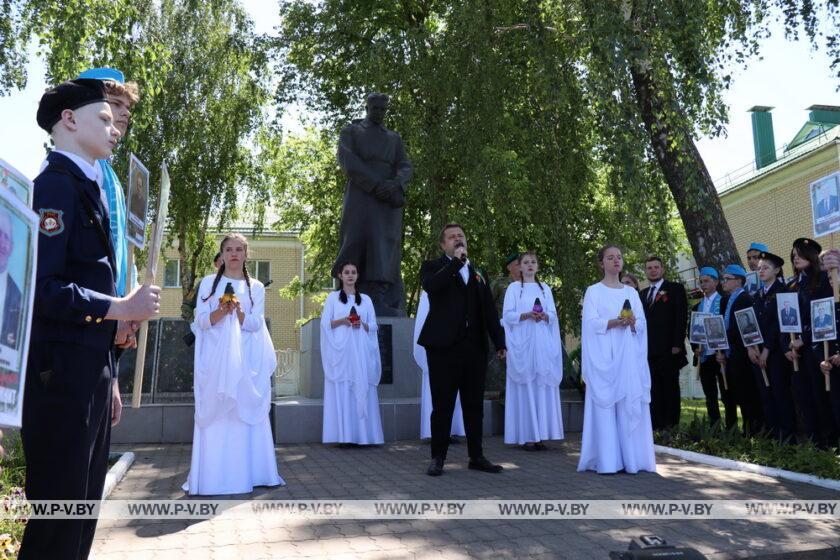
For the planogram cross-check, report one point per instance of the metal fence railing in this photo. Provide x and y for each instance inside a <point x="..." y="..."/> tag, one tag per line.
<point x="287" y="374"/>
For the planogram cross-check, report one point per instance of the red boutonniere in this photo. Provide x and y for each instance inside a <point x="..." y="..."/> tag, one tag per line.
<point x="662" y="296"/>
<point x="479" y="278"/>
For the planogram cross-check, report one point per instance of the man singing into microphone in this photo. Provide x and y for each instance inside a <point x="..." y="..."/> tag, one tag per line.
<point x="461" y="314"/>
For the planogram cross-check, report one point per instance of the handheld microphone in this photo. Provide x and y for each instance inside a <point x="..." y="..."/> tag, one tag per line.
<point x="464" y="256"/>
<point x="267" y="284"/>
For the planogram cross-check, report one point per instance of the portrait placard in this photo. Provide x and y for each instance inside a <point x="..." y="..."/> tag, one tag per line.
<point x="748" y="327"/>
<point x="787" y="306"/>
<point x="825" y="204"/>
<point x="17" y="182"/>
<point x="716" y="333"/>
<point x="823" y="326"/>
<point x="18" y="259"/>
<point x="751" y="282"/>
<point x="697" y="332"/>
<point x="138" y="202"/>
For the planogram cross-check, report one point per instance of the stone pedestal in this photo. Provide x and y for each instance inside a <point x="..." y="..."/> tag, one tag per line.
<point x="401" y="378"/>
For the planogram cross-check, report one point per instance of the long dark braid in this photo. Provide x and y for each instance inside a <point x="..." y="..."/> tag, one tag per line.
<point x="216" y="281"/>
<point x="247" y="281"/>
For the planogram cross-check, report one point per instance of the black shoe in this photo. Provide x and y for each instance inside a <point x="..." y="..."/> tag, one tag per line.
<point x="539" y="446"/>
<point x="529" y="447"/>
<point x="435" y="467"/>
<point x="482" y="464"/>
<point x="453" y="440"/>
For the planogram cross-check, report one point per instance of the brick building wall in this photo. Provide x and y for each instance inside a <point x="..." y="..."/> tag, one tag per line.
<point x="774" y="206"/>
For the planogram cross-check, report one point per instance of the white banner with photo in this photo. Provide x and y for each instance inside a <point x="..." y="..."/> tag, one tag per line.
<point x="18" y="259"/>
<point x="825" y="204"/>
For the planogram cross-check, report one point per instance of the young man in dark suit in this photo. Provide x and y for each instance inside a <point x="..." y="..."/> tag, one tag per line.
<point x="666" y="312"/>
<point x="461" y="315"/>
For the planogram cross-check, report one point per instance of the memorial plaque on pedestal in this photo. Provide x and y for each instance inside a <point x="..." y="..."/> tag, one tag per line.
<point x="386" y="354"/>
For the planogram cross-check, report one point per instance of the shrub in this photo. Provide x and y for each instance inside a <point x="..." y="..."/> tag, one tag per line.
<point x="701" y="436"/>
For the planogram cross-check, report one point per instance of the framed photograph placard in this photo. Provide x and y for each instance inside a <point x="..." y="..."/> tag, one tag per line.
<point x="823" y="326"/>
<point x="18" y="259"/>
<point x="716" y="333"/>
<point x="751" y="283"/>
<point x="748" y="327"/>
<point x="17" y="182"/>
<point x="825" y="204"/>
<point x="790" y="319"/>
<point x="137" y="200"/>
<point x="697" y="331"/>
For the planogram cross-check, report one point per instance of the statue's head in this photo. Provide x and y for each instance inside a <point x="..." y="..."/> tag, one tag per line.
<point x="376" y="106"/>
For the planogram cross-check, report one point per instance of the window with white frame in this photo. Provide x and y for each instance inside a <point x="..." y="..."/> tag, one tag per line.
<point x="261" y="270"/>
<point x="172" y="274"/>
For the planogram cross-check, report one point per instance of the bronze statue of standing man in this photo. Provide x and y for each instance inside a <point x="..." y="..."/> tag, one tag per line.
<point x="371" y="233"/>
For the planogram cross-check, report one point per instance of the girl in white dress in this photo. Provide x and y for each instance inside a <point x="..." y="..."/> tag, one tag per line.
<point x="425" y="388"/>
<point x="617" y="432"/>
<point x="233" y="449"/>
<point x="352" y="368"/>
<point x="534" y="360"/>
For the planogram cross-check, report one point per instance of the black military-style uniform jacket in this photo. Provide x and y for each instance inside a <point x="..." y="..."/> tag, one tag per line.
<point x="75" y="274"/>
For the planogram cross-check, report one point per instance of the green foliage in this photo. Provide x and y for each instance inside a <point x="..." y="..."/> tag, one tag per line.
<point x="702" y="437"/>
<point x="12" y="477"/>
<point x="303" y="176"/>
<point x="12" y="463"/>
<point x="522" y="117"/>
<point x="495" y="123"/>
<point x="12" y="47"/>
<point x="201" y="72"/>
<point x="655" y="71"/>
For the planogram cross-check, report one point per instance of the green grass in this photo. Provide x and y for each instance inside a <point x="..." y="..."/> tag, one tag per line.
<point x="697" y="407"/>
<point x="695" y="433"/>
<point x="12" y="479"/>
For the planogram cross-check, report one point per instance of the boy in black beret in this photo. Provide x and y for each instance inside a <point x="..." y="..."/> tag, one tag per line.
<point x="67" y="400"/>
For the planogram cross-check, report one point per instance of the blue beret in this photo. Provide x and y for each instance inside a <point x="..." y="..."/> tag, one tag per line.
<point x="760" y="247"/>
<point x="735" y="270"/>
<point x="709" y="271"/>
<point x="103" y="74"/>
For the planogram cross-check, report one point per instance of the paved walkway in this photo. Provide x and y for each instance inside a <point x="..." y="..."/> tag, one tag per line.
<point x="395" y="471"/>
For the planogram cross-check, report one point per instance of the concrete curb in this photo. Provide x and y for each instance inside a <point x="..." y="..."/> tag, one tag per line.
<point x="117" y="473"/>
<point x="731" y="464"/>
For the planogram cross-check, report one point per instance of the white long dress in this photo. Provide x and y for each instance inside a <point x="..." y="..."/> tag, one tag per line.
<point x="617" y="431"/>
<point x="425" y="389"/>
<point x="534" y="367"/>
<point x="352" y="369"/>
<point x="233" y="449"/>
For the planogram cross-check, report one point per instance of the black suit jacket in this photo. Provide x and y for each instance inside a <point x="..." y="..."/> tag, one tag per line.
<point x="667" y="318"/>
<point x="789" y="318"/>
<point x="445" y="325"/>
<point x="74" y="283"/>
<point x="11" y="314"/>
